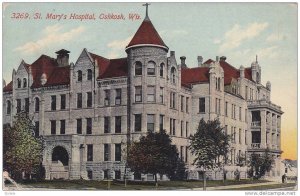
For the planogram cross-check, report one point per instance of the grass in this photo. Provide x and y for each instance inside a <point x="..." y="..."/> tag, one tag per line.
<point x="131" y="185"/>
<point x="265" y="187"/>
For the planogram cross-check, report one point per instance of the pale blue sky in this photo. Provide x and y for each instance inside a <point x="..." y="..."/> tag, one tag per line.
<point x="238" y="31"/>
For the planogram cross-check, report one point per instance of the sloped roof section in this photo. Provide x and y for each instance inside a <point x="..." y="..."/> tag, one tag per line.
<point x="147" y="34"/>
<point x="116" y="68"/>
<point x="102" y="63"/>
<point x="8" y="87"/>
<point x="59" y="76"/>
<point x="194" y="75"/>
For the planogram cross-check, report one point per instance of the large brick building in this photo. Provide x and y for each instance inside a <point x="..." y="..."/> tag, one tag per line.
<point x="88" y="110"/>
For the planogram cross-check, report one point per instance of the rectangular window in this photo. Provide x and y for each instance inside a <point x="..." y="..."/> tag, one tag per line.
<point x="186" y="153"/>
<point x="181" y="128"/>
<point x="246" y="115"/>
<point x="246" y="137"/>
<point x="118" y="96"/>
<point x="26" y="104"/>
<point x="106" y="174"/>
<point x="19" y="105"/>
<point x="62" y="102"/>
<point x="106" y="152"/>
<point x="107" y="97"/>
<point x="53" y="127"/>
<point x="181" y="103"/>
<point x="150" y="122"/>
<point x="161" y="95"/>
<point x="226" y="130"/>
<point x="137" y="122"/>
<point x="117" y="152"/>
<point x="172" y="100"/>
<point x="138" y="94"/>
<point x="219" y="107"/>
<point x="216" y="106"/>
<point x="117" y="174"/>
<point x="90" y="152"/>
<point x="187" y="105"/>
<point x="89" y="126"/>
<point x="118" y="124"/>
<point x="106" y="124"/>
<point x="79" y="100"/>
<point x="246" y="93"/>
<point x="186" y="129"/>
<point x="161" y="122"/>
<point x="150" y="93"/>
<point x="240" y="113"/>
<point x="181" y="153"/>
<point x="89" y="101"/>
<point x="62" y="127"/>
<point x="234" y="134"/>
<point x="232" y="109"/>
<point x="53" y="102"/>
<point x="172" y="126"/>
<point x="37" y="129"/>
<point x="202" y="105"/>
<point x="240" y="136"/>
<point x="226" y="108"/>
<point x="79" y="126"/>
<point x="90" y="174"/>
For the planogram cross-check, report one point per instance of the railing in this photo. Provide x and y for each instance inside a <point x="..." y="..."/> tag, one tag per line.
<point x="255" y="124"/>
<point x="255" y="145"/>
<point x="264" y="103"/>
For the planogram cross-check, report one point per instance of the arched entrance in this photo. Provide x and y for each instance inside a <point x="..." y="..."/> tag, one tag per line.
<point x="60" y="163"/>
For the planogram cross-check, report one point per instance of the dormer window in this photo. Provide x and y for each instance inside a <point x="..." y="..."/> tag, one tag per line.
<point x="173" y="75"/>
<point x="138" y="68"/>
<point x="24" y="83"/>
<point x="19" y="82"/>
<point x="161" y="70"/>
<point x="151" y="68"/>
<point x="79" y="76"/>
<point x="89" y="74"/>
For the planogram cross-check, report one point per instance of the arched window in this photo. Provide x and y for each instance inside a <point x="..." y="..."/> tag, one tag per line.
<point x="173" y="75"/>
<point x="138" y="68"/>
<point x="151" y="68"/>
<point x="89" y="74"/>
<point x="257" y="77"/>
<point x="161" y="70"/>
<point x="24" y="83"/>
<point x="37" y="104"/>
<point x="8" y="107"/>
<point x="19" y="82"/>
<point x="79" y="76"/>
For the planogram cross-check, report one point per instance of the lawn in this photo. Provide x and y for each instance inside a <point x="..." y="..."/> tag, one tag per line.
<point x="266" y="187"/>
<point x="132" y="185"/>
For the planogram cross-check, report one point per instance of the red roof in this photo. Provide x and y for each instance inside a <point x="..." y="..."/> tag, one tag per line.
<point x="102" y="62"/>
<point x="194" y="75"/>
<point x="116" y="68"/>
<point x="8" y="87"/>
<point x="146" y="34"/>
<point x="60" y="76"/>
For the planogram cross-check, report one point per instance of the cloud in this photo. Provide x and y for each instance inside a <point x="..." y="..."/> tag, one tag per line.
<point x="216" y="41"/>
<point x="269" y="52"/>
<point x="235" y="36"/>
<point x="119" y="44"/>
<point x="275" y="37"/>
<point x="53" y="35"/>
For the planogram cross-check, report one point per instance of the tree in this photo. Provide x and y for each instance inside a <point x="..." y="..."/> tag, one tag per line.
<point x="22" y="151"/>
<point x="153" y="154"/>
<point x="260" y="164"/>
<point x="209" y="145"/>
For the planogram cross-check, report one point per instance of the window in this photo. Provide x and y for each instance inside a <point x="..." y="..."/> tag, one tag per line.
<point x="118" y="124"/>
<point x="181" y="129"/>
<point x="117" y="174"/>
<point x="89" y="74"/>
<point x="202" y="105"/>
<point x="240" y="136"/>
<point x="246" y="137"/>
<point x="150" y="93"/>
<point x="90" y="152"/>
<point x="216" y="106"/>
<point x="79" y="126"/>
<point x="138" y="122"/>
<point x="24" y="83"/>
<point x="187" y="105"/>
<point x="53" y="102"/>
<point x="161" y="70"/>
<point x="90" y="174"/>
<point x="226" y="130"/>
<point x="226" y="108"/>
<point x="161" y="122"/>
<point x="118" y="96"/>
<point x="138" y="68"/>
<point x="161" y="95"/>
<point x="138" y="94"/>
<point x="106" y="124"/>
<point x="62" y="127"/>
<point x="173" y="75"/>
<point x="8" y="107"/>
<point x="240" y="113"/>
<point x="181" y="153"/>
<point x="19" y="105"/>
<point x="246" y="93"/>
<point x="106" y="152"/>
<point x="117" y="152"/>
<point x="150" y="122"/>
<point x="234" y="135"/>
<point x="62" y="102"/>
<point x="37" y="129"/>
<point x="181" y="102"/>
<point x="186" y="129"/>
<point x="105" y="174"/>
<point x="26" y="104"/>
<point x="172" y="126"/>
<point x="89" y="126"/>
<point x="53" y="127"/>
<point x="186" y="154"/>
<point x="89" y="101"/>
<point x="79" y="76"/>
<point x="151" y="68"/>
<point x="79" y="100"/>
<point x="107" y="97"/>
<point x="172" y="100"/>
<point x="246" y="115"/>
<point x="19" y="82"/>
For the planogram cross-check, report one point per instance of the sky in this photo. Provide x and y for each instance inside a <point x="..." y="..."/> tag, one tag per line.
<point x="239" y="31"/>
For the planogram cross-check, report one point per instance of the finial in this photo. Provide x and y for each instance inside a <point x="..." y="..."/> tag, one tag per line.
<point x="146" y="4"/>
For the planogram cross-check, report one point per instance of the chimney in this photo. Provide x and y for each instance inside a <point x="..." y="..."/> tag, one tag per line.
<point x="62" y="57"/>
<point x="217" y="58"/>
<point x="223" y="58"/>
<point x="200" y="61"/>
<point x="242" y="71"/>
<point x="182" y="58"/>
<point x="172" y="53"/>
